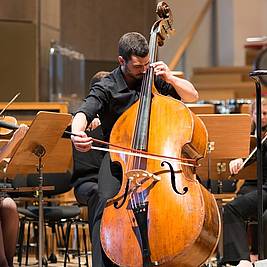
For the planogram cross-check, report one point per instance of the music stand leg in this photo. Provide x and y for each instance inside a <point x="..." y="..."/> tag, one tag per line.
<point x="39" y="151"/>
<point x="259" y="170"/>
<point x="210" y="149"/>
<point x="219" y="254"/>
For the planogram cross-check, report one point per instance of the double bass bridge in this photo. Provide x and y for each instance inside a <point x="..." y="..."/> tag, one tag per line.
<point x="140" y="176"/>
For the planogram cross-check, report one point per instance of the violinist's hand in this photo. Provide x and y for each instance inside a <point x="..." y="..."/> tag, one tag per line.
<point x="20" y="133"/>
<point x="82" y="143"/>
<point x="94" y="124"/>
<point x="234" y="165"/>
<point x="160" y="68"/>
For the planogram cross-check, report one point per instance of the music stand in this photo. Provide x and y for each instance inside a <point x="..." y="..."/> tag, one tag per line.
<point x="35" y="155"/>
<point x="229" y="137"/>
<point x="219" y="169"/>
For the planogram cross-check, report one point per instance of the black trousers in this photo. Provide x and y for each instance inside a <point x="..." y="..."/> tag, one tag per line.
<point x="94" y="194"/>
<point x="235" y="217"/>
<point x="87" y="195"/>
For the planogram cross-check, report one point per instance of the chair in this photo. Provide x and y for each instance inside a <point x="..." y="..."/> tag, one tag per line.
<point x="76" y="222"/>
<point x="54" y="215"/>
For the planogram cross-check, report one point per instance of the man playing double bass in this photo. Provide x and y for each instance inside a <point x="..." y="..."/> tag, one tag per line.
<point x="109" y="99"/>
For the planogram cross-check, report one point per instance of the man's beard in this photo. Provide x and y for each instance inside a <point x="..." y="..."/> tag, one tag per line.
<point x="139" y="77"/>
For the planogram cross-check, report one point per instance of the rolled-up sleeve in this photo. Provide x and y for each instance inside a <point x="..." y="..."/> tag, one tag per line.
<point x="165" y="88"/>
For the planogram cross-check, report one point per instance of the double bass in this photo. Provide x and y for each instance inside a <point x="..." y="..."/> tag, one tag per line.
<point x="162" y="215"/>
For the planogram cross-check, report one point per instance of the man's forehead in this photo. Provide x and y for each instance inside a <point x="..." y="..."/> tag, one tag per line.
<point x="139" y="60"/>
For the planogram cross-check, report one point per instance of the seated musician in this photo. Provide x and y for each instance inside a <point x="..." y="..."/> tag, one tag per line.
<point x="244" y="207"/>
<point x="9" y="219"/>
<point x="86" y="166"/>
<point x="109" y="99"/>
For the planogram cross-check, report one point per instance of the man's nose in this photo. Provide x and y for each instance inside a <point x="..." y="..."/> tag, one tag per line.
<point x="144" y="69"/>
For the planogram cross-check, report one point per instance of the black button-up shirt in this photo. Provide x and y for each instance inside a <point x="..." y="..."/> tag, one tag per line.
<point x="110" y="97"/>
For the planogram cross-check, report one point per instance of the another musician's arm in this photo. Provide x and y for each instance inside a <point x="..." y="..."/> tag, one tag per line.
<point x="94" y="124"/>
<point x="234" y="165"/>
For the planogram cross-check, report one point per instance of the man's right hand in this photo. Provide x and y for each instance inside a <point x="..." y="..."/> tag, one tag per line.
<point x="82" y="143"/>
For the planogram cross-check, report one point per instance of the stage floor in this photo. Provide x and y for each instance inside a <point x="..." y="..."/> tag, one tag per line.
<point x="74" y="262"/>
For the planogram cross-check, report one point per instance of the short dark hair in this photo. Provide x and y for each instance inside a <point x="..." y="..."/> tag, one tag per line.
<point x="133" y="44"/>
<point x="98" y="76"/>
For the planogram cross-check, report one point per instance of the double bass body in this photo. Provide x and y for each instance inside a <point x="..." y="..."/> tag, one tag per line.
<point x="177" y="228"/>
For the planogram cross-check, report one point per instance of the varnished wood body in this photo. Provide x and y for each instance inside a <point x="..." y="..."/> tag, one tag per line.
<point x="182" y="229"/>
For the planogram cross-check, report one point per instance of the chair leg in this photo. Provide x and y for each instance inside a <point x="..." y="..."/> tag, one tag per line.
<point x="20" y="240"/>
<point x="63" y="235"/>
<point x="53" y="258"/>
<point x="67" y="238"/>
<point x="46" y="239"/>
<point x="85" y="245"/>
<point x="57" y="234"/>
<point x="28" y="243"/>
<point x="78" y="244"/>
<point x="36" y="237"/>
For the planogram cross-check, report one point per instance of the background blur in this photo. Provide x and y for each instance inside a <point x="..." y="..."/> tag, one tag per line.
<point x="49" y="49"/>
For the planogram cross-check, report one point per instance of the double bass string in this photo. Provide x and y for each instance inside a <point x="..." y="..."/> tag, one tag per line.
<point x="132" y="198"/>
<point x="146" y="84"/>
<point x="144" y="105"/>
<point x="146" y="95"/>
<point x="138" y="197"/>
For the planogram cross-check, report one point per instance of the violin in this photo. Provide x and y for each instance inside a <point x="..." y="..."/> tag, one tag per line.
<point x="8" y="122"/>
<point x="7" y="125"/>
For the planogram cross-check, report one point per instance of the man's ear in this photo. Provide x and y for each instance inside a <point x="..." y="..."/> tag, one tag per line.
<point x="121" y="60"/>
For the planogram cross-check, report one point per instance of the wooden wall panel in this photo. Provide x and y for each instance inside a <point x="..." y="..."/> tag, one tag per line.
<point x="49" y="31"/>
<point x="50" y="13"/>
<point x="18" y="60"/>
<point x="47" y="35"/>
<point x="18" y="10"/>
<point x="94" y="27"/>
<point x="90" y="27"/>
